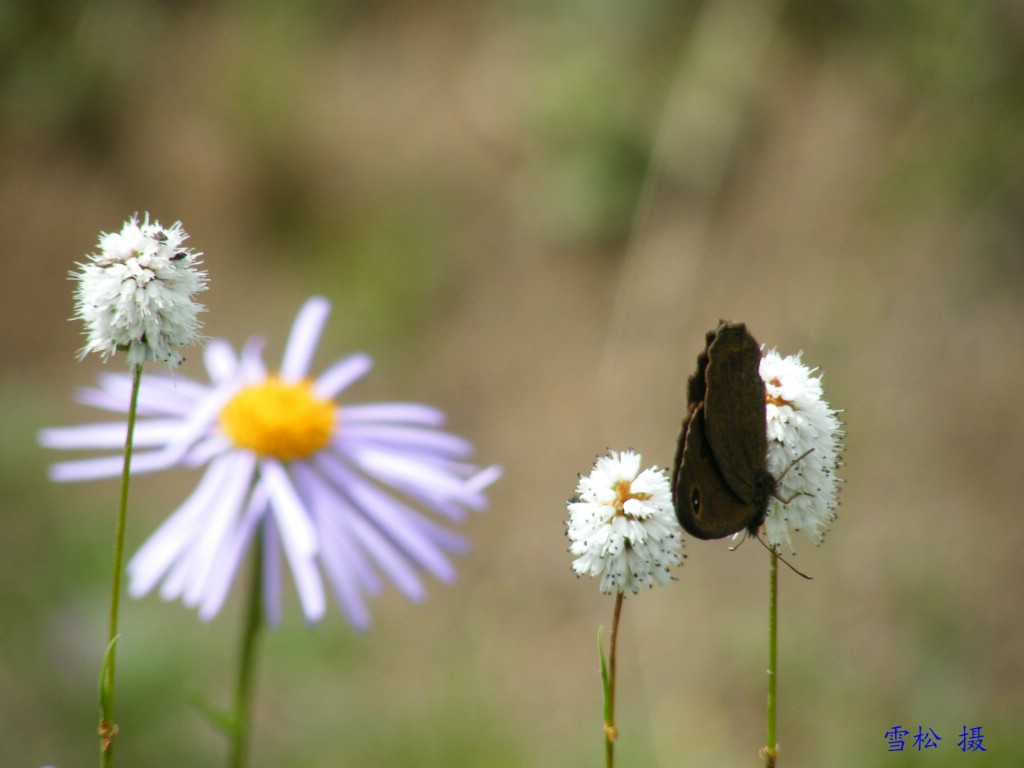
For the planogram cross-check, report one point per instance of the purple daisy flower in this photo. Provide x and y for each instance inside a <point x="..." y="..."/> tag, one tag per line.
<point x="337" y="489"/>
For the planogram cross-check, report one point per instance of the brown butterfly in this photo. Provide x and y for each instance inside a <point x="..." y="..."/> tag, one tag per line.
<point x="720" y="481"/>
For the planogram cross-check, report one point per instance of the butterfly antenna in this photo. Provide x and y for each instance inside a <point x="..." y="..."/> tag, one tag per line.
<point x="762" y="543"/>
<point x="784" y="560"/>
<point x="793" y="463"/>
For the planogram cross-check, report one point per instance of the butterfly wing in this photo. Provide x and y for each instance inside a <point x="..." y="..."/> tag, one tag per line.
<point x="705" y="505"/>
<point x="734" y="407"/>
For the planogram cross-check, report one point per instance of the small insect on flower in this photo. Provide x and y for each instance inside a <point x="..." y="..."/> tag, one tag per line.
<point x="135" y="295"/>
<point x="622" y="525"/>
<point x="339" y="489"/>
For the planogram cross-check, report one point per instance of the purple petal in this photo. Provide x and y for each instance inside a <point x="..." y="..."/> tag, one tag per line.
<point x="226" y="567"/>
<point x="251" y="367"/>
<point x="109" y="466"/>
<point x="341" y="375"/>
<point x="392" y="517"/>
<point x="388" y="557"/>
<point x="308" y="325"/>
<point x="298" y="537"/>
<point x="484" y="479"/>
<point x="108" y="435"/>
<point x="200" y="421"/>
<point x="215" y="538"/>
<point x="416" y="477"/>
<point x="330" y="511"/>
<point x="346" y="568"/>
<point x="221" y="361"/>
<point x="164" y="395"/>
<point x="409" y="413"/>
<point x="186" y="574"/>
<point x="271" y="569"/>
<point x="112" y="393"/>
<point x="176" y="534"/>
<point x="405" y="438"/>
<point x="158" y="395"/>
<point x="205" y="449"/>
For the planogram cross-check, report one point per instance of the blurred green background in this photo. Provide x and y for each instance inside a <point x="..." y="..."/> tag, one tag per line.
<point x="530" y="213"/>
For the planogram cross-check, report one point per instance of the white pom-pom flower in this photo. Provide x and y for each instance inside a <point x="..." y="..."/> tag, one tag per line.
<point x="622" y="526"/>
<point x="136" y="294"/>
<point x="804" y="447"/>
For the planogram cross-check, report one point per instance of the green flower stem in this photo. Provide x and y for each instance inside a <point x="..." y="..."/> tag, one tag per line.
<point x="611" y="731"/>
<point x="241" y="726"/>
<point x="771" y="747"/>
<point x="108" y="728"/>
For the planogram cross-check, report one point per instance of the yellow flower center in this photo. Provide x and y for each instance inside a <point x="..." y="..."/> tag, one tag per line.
<point x="624" y="493"/>
<point x="773" y="399"/>
<point x="278" y="418"/>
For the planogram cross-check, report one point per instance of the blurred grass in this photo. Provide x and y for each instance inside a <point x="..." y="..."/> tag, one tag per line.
<point x="462" y="181"/>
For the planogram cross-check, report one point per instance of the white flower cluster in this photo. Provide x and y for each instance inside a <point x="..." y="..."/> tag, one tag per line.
<point x="622" y="525"/>
<point x="135" y="295"/>
<point x="803" y="450"/>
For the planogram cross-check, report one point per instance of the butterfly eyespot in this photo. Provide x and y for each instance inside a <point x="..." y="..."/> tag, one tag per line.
<point x="695" y="501"/>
